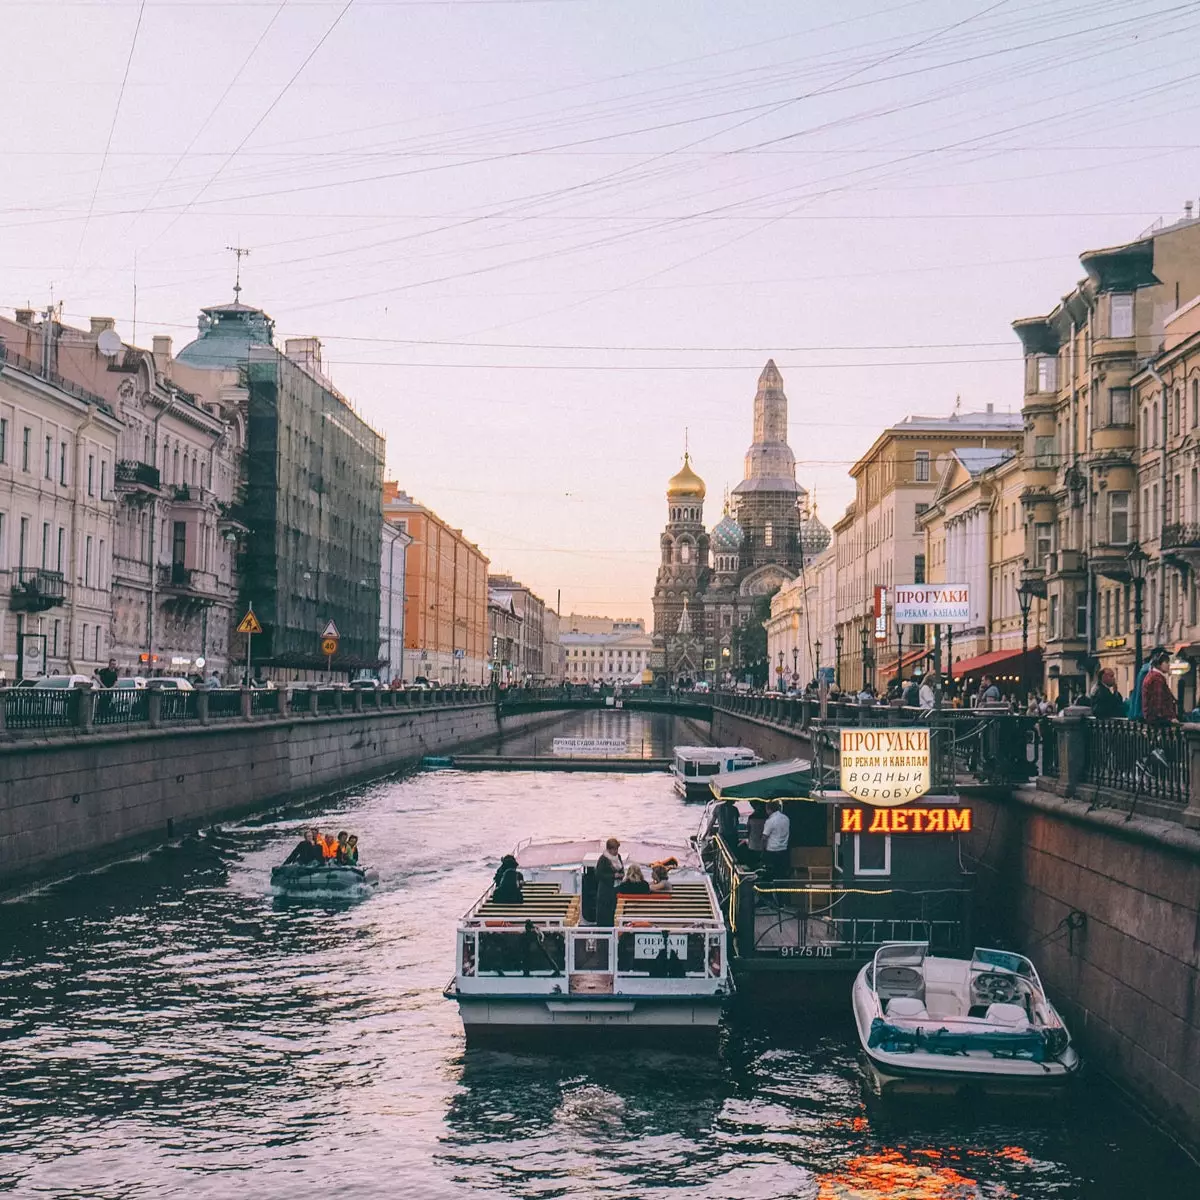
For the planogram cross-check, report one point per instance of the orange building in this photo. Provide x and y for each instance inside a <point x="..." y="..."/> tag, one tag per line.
<point x="445" y="595"/>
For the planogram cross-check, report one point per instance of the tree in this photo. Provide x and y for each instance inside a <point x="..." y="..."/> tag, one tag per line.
<point x="750" y="643"/>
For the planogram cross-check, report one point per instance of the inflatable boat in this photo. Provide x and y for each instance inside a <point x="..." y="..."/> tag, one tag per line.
<point x="299" y="879"/>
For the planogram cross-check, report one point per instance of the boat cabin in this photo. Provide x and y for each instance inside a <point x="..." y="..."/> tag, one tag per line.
<point x="857" y="876"/>
<point x="545" y="960"/>
<point x="695" y="767"/>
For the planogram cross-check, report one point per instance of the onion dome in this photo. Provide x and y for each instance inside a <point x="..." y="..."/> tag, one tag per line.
<point x="814" y="536"/>
<point x="686" y="484"/>
<point x="727" y="534"/>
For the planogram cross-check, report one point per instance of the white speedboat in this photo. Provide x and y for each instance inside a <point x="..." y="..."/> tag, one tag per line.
<point x="942" y="1026"/>
<point x="544" y="966"/>
<point x="694" y="767"/>
<point x="305" y="879"/>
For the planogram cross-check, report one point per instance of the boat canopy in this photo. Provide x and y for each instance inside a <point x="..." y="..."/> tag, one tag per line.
<point x="792" y="779"/>
<point x="531" y="854"/>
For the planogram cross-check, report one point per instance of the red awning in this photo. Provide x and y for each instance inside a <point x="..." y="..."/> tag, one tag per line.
<point x="911" y="657"/>
<point x="993" y="661"/>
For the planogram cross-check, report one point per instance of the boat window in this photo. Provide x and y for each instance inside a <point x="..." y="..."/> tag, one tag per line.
<point x="872" y="854"/>
<point x="708" y="768"/>
<point x="810" y="824"/>
<point x="542" y="952"/>
<point x="650" y="953"/>
<point x="592" y="954"/>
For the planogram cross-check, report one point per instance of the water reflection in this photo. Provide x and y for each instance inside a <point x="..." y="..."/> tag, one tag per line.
<point x="169" y="1030"/>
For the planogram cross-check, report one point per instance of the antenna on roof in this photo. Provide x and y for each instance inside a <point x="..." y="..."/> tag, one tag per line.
<point x="240" y="252"/>
<point x="957" y="405"/>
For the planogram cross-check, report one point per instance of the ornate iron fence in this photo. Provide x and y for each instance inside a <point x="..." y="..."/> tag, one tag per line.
<point x="1128" y="756"/>
<point x="120" y="706"/>
<point x="37" y="708"/>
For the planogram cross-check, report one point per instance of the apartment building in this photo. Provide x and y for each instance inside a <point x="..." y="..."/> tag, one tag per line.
<point x="880" y="542"/>
<point x="802" y="633"/>
<point x="531" y="653"/>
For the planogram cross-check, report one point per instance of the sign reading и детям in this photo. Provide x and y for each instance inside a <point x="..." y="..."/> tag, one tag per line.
<point x="905" y="820"/>
<point x="931" y="604"/>
<point x="885" y="767"/>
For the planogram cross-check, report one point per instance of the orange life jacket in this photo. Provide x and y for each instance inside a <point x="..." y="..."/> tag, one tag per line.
<point x="328" y="846"/>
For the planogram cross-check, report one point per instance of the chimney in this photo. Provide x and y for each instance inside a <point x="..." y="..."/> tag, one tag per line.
<point x="24" y="316"/>
<point x="304" y="352"/>
<point x="162" y="351"/>
<point x="991" y="407"/>
<point x="1187" y="210"/>
<point x="100" y="324"/>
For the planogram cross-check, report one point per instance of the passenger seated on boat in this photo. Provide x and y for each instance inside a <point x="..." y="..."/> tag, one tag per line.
<point x="634" y="883"/>
<point x="660" y="880"/>
<point x="348" y="854"/>
<point x="328" y="844"/>
<point x="307" y="852"/>
<point x="341" y="846"/>
<point x="507" y="881"/>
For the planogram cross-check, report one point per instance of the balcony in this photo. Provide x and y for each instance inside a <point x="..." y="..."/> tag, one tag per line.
<point x="191" y="493"/>
<point x="1181" y="542"/>
<point x="35" y="590"/>
<point x="1060" y="563"/>
<point x="1110" y="559"/>
<point x="131" y="475"/>
<point x="188" y="584"/>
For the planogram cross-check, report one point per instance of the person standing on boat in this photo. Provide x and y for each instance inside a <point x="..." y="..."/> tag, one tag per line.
<point x="610" y="870"/>
<point x="777" y="833"/>
<point x="507" y="881"/>
<point x="755" y="824"/>
<point x="727" y="825"/>
<point x="307" y="852"/>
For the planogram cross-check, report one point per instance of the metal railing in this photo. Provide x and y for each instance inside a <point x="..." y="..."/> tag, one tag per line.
<point x="178" y="706"/>
<point x="264" y="702"/>
<point x="120" y="706"/>
<point x="1181" y="534"/>
<point x="32" y="708"/>
<point x="129" y="470"/>
<point x="225" y="702"/>
<point x="1128" y="756"/>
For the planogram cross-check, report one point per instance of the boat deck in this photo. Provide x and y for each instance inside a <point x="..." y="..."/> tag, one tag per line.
<point x="685" y="902"/>
<point x="547" y="904"/>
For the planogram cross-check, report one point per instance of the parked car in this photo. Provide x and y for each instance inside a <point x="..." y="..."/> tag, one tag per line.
<point x="55" y="681"/>
<point x="701" y="685"/>
<point x="368" y="683"/>
<point x="421" y="683"/>
<point x="168" y="683"/>
<point x="130" y="683"/>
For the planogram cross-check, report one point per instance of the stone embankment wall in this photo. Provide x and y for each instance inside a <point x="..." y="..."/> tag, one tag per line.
<point x="767" y="740"/>
<point x="1109" y="911"/>
<point x="71" y="801"/>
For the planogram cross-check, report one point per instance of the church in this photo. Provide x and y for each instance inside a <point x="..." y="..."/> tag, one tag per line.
<point x="709" y="582"/>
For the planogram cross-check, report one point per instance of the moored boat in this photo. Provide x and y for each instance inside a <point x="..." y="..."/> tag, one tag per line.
<point x="944" y="1026"/>
<point x="695" y="767"/>
<point x="544" y="965"/>
<point x="307" y="878"/>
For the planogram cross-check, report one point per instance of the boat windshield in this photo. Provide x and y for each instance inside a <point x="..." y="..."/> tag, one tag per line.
<point x="1004" y="960"/>
<point x="902" y="954"/>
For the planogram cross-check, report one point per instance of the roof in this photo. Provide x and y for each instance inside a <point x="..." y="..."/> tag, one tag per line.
<point x="727" y="534"/>
<point x="978" y="459"/>
<point x="968" y="420"/>
<point x="227" y="332"/>
<point x="993" y="659"/>
<point x="685" y="482"/>
<point x="791" y="779"/>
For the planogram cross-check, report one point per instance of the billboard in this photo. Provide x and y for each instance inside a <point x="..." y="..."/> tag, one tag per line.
<point x="932" y="604"/>
<point x="881" y="609"/>
<point x="885" y="767"/>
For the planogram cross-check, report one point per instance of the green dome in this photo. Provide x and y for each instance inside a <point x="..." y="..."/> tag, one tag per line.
<point x="227" y="331"/>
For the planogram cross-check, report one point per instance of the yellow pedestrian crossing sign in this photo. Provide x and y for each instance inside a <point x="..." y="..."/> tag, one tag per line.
<point x="249" y="623"/>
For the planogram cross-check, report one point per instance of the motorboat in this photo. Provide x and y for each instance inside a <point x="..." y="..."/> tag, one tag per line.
<point x="943" y="1026"/>
<point x="305" y="879"/>
<point x="694" y="767"/>
<point x="545" y="965"/>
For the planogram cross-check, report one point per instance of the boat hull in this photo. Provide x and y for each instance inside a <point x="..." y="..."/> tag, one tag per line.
<point x="697" y="789"/>
<point x="294" y="879"/>
<point x="495" y="1019"/>
<point x="886" y="1079"/>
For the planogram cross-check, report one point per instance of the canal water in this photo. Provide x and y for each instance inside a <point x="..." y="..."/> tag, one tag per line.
<point x="169" y="1030"/>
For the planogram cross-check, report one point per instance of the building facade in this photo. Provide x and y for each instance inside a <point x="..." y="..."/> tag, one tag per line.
<point x="58" y="445"/>
<point x="583" y="623"/>
<point x="621" y="656"/>
<point x="552" y="651"/>
<point x="504" y="630"/>
<point x="880" y="540"/>
<point x="530" y="657"/>
<point x="307" y="494"/>
<point x="801" y="630"/>
<point x="709" y="586"/>
<point x="446" y="596"/>
<point x="393" y="561"/>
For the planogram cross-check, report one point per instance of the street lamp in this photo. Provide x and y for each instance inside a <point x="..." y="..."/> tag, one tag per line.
<point x="1025" y="595"/>
<point x="817" y="652"/>
<point x="864" y="636"/>
<point x="1137" y="561"/>
<point x="838" y="642"/>
<point x="779" y="672"/>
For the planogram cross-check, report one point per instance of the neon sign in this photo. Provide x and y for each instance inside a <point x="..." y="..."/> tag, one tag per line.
<point x="907" y="820"/>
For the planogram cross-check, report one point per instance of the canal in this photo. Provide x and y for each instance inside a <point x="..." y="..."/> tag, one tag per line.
<point x="168" y="1029"/>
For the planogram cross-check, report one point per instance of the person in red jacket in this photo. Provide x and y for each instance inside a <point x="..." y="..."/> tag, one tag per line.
<point x="1158" y="704"/>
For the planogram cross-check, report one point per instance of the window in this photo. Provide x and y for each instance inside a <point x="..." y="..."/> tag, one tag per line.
<point x="62" y="537"/>
<point x="1118" y="518"/>
<point x="83" y="643"/>
<point x="1195" y="403"/>
<point x="1118" y="406"/>
<point x="1047" y="373"/>
<point x="100" y="566"/>
<point x="921" y="474"/>
<point x="769" y="535"/>
<point x="96" y="653"/>
<point x="49" y="457"/>
<point x="922" y="509"/>
<point x="1120" y="314"/>
<point x="91" y="474"/>
<point x="1043" y="538"/>
<point x="1154" y="425"/>
<point x="685" y="552"/>
<point x="1081" y="613"/>
<point x="57" y="632"/>
<point x="1053" y="621"/>
<point x="103" y="478"/>
<point x="23" y="542"/>
<point x="25" y="436"/>
<point x="87" y="561"/>
<point x="45" y="545"/>
<point x="919" y="568"/>
<point x="872" y="854"/>
<point x="3" y="440"/>
<point x="62" y="463"/>
<point x="1043" y="451"/>
<point x="1146" y="426"/>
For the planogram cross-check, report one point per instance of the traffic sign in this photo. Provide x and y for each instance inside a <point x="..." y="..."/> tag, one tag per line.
<point x="249" y="623"/>
<point x="329" y="646"/>
<point x="330" y="630"/>
<point x="460" y="654"/>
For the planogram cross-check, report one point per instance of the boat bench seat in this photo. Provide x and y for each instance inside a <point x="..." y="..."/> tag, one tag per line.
<point x="907" y="1007"/>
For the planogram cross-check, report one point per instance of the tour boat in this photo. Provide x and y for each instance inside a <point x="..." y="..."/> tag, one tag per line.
<point x="544" y="965"/>
<point x="943" y="1026"/>
<point x="694" y="767"/>
<point x="303" y="879"/>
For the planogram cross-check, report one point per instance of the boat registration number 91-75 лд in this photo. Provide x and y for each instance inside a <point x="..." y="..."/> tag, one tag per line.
<point x="649" y="945"/>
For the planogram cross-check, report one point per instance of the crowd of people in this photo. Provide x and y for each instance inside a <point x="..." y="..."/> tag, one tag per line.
<point x="321" y="849"/>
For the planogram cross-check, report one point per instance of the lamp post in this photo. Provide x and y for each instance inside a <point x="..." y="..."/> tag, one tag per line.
<point x="817" y="652"/>
<point x="795" y="663"/>
<point x="1025" y="594"/>
<point x="779" y="672"/>
<point x="864" y="635"/>
<point x="899" y="652"/>
<point x="1137" y="561"/>
<point x="838" y="642"/>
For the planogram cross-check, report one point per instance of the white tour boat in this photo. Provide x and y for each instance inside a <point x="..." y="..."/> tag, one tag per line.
<point x="695" y="766"/>
<point x="941" y="1026"/>
<point x="660" y="967"/>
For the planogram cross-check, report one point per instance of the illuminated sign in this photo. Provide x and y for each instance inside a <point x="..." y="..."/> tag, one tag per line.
<point x="1113" y="643"/>
<point x="906" y="820"/>
<point x="932" y="604"/>
<point x="885" y="767"/>
<point x="881" y="606"/>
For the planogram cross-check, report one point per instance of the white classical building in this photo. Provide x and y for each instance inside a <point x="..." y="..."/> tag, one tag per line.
<point x="801" y="632"/>
<point x="393" y="563"/>
<point x="605" y="657"/>
<point x="58" y="444"/>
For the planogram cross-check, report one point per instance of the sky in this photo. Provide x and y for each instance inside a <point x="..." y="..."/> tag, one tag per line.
<point x="543" y="241"/>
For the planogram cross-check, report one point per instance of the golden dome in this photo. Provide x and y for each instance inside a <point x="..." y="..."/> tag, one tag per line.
<point x="686" y="484"/>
